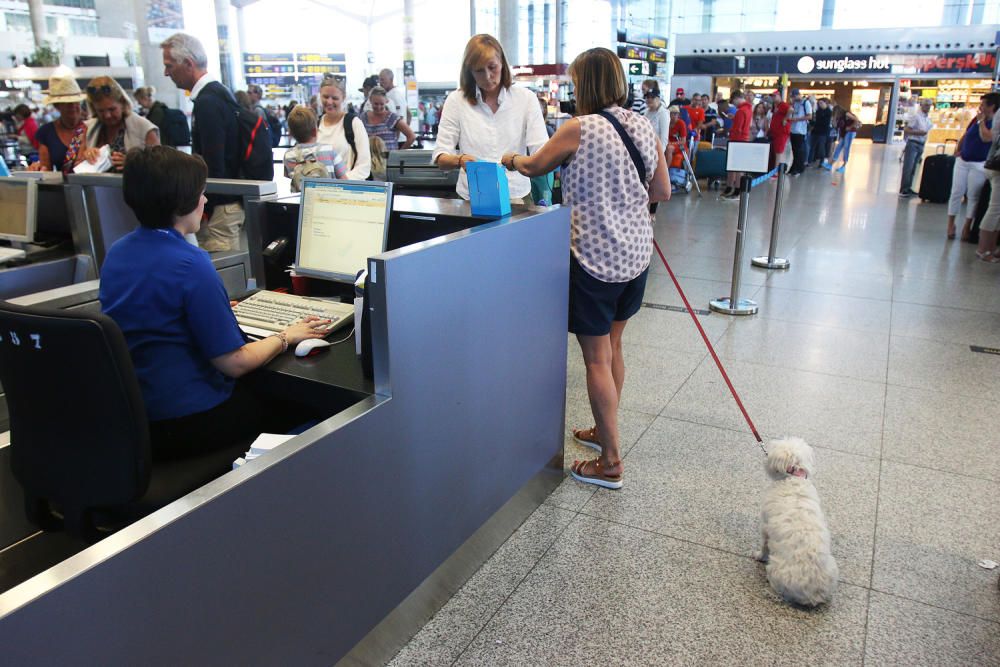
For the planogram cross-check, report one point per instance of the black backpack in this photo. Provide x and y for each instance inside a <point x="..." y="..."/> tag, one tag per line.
<point x="176" y="130"/>
<point x="349" y="135"/>
<point x="274" y="125"/>
<point x="256" y="160"/>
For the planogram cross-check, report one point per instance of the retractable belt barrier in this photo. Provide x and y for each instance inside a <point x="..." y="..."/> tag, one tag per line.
<point x="733" y="304"/>
<point x="770" y="261"/>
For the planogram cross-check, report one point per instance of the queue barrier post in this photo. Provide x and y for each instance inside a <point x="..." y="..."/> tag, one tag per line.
<point x="733" y="304"/>
<point x="771" y="261"/>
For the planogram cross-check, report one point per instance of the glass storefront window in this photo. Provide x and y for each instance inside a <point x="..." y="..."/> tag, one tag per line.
<point x="17" y="22"/>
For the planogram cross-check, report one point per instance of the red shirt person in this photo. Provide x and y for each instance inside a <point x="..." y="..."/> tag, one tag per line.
<point x="696" y="112"/>
<point x="780" y="130"/>
<point x="678" y="138"/>
<point x="740" y="131"/>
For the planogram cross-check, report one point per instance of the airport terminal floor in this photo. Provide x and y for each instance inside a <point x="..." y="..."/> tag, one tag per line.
<point x="863" y="349"/>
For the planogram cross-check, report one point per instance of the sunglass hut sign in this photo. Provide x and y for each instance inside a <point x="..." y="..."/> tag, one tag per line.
<point x="962" y="63"/>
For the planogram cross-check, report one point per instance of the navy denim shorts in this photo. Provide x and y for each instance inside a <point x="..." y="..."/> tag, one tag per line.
<point x="595" y="304"/>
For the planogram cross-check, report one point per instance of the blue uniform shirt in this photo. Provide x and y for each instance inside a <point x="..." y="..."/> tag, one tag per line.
<point x="169" y="302"/>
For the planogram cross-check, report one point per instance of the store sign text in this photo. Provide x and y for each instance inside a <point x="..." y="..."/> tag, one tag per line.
<point x="969" y="62"/>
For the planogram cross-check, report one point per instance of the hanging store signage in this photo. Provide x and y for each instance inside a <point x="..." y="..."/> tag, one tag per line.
<point x="829" y="64"/>
<point x="642" y="39"/>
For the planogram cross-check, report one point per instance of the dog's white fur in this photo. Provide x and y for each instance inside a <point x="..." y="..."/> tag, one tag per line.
<point x="795" y="538"/>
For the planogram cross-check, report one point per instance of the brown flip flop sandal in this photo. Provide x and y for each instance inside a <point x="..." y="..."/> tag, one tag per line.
<point x="597" y="476"/>
<point x="588" y="438"/>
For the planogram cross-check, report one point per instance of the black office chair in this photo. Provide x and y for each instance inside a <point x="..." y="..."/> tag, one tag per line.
<point x="79" y="435"/>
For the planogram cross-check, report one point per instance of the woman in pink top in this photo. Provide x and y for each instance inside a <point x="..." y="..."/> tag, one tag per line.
<point x="611" y="237"/>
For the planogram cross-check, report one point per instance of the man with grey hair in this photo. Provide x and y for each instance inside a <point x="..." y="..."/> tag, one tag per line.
<point x="918" y="126"/>
<point x="256" y="93"/>
<point x="394" y="94"/>
<point x="214" y="136"/>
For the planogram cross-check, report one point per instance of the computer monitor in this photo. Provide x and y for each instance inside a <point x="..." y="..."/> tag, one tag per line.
<point x="341" y="225"/>
<point x="18" y="205"/>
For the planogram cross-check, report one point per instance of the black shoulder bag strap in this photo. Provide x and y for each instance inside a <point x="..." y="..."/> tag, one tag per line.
<point x="640" y="166"/>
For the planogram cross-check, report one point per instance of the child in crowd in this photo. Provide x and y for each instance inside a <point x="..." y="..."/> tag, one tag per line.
<point x="379" y="153"/>
<point x="307" y="157"/>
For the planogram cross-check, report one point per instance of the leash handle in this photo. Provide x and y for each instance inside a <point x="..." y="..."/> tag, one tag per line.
<point x="708" y="343"/>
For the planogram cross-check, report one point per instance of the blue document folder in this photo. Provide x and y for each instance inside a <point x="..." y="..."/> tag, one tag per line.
<point x="488" y="190"/>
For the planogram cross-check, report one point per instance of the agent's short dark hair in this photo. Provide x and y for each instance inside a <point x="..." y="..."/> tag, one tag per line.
<point x="161" y="184"/>
<point x="993" y="99"/>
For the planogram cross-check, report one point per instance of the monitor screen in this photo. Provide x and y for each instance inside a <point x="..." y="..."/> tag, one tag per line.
<point x="18" y="200"/>
<point x="341" y="225"/>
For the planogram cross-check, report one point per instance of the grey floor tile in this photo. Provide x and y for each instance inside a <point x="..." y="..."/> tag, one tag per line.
<point x="973" y="296"/>
<point x="447" y="634"/>
<point x="708" y="268"/>
<point x="828" y="411"/>
<point x="672" y="330"/>
<point x="951" y="325"/>
<point x="845" y="283"/>
<point x="957" y="264"/>
<point x="856" y="354"/>
<point x="950" y="368"/>
<point x="942" y="431"/>
<point x="705" y="484"/>
<point x="817" y="255"/>
<point x="903" y="632"/>
<point x="828" y="310"/>
<point x="933" y="527"/>
<point x="609" y="594"/>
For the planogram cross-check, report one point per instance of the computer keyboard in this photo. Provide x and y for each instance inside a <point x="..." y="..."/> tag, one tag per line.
<point x="7" y="254"/>
<point x="275" y="311"/>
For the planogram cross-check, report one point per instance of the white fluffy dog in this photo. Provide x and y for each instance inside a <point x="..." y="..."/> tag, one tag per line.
<point x="795" y="538"/>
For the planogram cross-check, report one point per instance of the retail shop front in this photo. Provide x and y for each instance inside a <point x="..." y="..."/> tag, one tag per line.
<point x="879" y="88"/>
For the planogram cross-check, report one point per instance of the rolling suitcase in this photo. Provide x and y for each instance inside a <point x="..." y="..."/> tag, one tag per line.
<point x="935" y="182"/>
<point x="711" y="165"/>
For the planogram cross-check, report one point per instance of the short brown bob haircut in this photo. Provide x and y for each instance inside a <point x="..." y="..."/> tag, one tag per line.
<point x="160" y="184"/>
<point x="302" y="124"/>
<point x="599" y="81"/>
<point x="480" y="49"/>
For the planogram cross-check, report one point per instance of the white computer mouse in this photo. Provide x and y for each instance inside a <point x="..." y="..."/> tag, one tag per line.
<point x="310" y="345"/>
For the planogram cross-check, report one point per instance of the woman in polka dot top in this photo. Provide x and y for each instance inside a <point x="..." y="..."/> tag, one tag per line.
<point x="611" y="238"/>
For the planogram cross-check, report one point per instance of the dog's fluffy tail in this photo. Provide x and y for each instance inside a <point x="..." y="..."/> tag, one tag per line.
<point x="808" y="580"/>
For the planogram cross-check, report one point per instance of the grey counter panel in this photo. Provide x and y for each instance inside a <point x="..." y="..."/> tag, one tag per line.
<point x="295" y="557"/>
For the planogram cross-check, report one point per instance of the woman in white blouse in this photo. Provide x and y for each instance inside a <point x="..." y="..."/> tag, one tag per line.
<point x="487" y="117"/>
<point x="358" y="157"/>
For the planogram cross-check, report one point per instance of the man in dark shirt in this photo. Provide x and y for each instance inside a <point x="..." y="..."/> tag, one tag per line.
<point x="214" y="136"/>
<point x="819" y="139"/>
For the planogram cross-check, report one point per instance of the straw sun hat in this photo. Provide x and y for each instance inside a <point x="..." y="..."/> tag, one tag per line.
<point x="63" y="88"/>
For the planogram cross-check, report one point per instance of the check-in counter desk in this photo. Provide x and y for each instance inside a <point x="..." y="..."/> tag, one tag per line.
<point x="88" y="213"/>
<point x="340" y="544"/>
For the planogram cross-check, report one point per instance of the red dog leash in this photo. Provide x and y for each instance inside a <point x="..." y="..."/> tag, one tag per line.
<point x="711" y="349"/>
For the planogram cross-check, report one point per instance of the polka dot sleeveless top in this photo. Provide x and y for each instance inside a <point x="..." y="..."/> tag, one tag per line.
<point x="611" y="230"/>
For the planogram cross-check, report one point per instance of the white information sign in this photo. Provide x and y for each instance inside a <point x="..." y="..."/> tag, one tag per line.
<point x="747" y="157"/>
